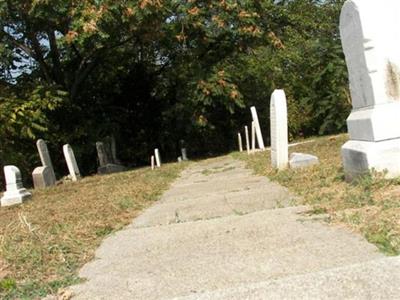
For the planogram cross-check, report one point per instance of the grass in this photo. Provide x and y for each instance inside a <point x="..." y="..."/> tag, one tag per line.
<point x="47" y="239"/>
<point x="370" y="206"/>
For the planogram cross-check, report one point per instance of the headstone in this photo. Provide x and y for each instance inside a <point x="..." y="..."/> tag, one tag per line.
<point x="43" y="177"/>
<point x="246" y="131"/>
<point x="113" y="146"/>
<point x="15" y="192"/>
<point x="258" y="128"/>
<point x="253" y="137"/>
<point x="370" y="34"/>
<point x="107" y="159"/>
<point x="180" y="159"/>
<point x="158" y="158"/>
<point x="279" y="130"/>
<point x="301" y="160"/>
<point x="240" y="142"/>
<point x="184" y="154"/>
<point x="152" y="162"/>
<point x="71" y="163"/>
<point x="46" y="160"/>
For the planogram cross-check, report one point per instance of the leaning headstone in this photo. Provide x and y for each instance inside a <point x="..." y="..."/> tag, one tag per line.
<point x="46" y="160"/>
<point x="246" y="131"/>
<point x="258" y="128"/>
<point x="43" y="177"/>
<point x="253" y="137"/>
<point x="71" y="163"/>
<point x="158" y="158"/>
<point x="15" y="192"/>
<point x="279" y="130"/>
<point x="370" y="38"/>
<point x="107" y="160"/>
<point x="240" y="142"/>
<point x="301" y="160"/>
<point x="152" y="162"/>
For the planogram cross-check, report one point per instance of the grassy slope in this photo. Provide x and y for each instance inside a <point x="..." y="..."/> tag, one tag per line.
<point x="371" y="205"/>
<point x="44" y="241"/>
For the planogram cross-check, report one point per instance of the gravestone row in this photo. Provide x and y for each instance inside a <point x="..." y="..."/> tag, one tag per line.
<point x="279" y="136"/>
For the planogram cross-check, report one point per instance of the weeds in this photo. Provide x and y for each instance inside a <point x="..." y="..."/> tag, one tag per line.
<point x="370" y="205"/>
<point x="47" y="239"/>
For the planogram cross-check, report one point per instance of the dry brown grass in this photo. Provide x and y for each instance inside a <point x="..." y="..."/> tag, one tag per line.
<point x="44" y="241"/>
<point x="370" y="206"/>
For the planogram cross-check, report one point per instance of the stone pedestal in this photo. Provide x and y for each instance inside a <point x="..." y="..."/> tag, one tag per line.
<point x="43" y="177"/>
<point x="370" y="32"/>
<point x="15" y="192"/>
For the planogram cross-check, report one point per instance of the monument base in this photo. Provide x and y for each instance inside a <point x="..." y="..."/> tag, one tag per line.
<point x="360" y="157"/>
<point x="15" y="197"/>
<point x="110" y="168"/>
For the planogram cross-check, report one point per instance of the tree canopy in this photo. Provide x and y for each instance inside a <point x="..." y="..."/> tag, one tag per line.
<point x="153" y="72"/>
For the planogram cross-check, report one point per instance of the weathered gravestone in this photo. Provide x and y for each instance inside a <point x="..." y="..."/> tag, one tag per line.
<point x="43" y="177"/>
<point x="183" y="150"/>
<point x="246" y="132"/>
<point x="257" y="128"/>
<point x="152" y="162"/>
<point x="240" y="142"/>
<point x="108" y="163"/>
<point x="15" y="192"/>
<point x="46" y="162"/>
<point x="279" y="130"/>
<point x="158" y="158"/>
<point x="71" y="163"/>
<point x="370" y="32"/>
<point x="184" y="154"/>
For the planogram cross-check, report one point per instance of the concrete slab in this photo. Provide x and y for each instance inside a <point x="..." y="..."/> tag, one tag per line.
<point x="223" y="237"/>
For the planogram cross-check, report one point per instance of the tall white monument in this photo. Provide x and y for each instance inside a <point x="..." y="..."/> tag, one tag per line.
<point x="279" y="130"/>
<point x="15" y="192"/>
<point x="370" y="32"/>
<point x="257" y="128"/>
<point x="246" y="132"/>
<point x="240" y="143"/>
<point x="157" y="157"/>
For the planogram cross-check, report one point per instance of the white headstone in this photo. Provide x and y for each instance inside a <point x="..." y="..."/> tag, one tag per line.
<point x="370" y="33"/>
<point x="71" y="163"/>
<point x="152" y="163"/>
<point x="240" y="142"/>
<point x="43" y="177"/>
<point x="258" y="128"/>
<point x="246" y="131"/>
<point x="184" y="154"/>
<point x="46" y="161"/>
<point x="15" y="192"/>
<point x="253" y="136"/>
<point x="279" y="130"/>
<point x="158" y="158"/>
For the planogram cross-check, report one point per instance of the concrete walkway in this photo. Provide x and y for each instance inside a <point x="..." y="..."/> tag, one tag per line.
<point x="222" y="233"/>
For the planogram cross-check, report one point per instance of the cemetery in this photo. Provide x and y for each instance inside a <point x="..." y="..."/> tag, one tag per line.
<point x="209" y="155"/>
